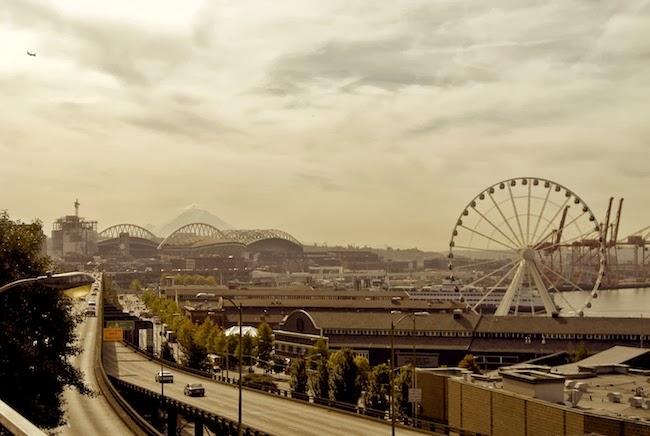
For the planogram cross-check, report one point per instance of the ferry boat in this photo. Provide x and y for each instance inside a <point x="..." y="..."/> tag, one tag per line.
<point x="455" y="291"/>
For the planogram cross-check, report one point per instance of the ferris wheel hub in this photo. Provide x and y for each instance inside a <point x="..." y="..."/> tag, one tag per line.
<point x="528" y="254"/>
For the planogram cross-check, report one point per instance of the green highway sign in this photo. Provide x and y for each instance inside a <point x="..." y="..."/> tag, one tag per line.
<point x="124" y="325"/>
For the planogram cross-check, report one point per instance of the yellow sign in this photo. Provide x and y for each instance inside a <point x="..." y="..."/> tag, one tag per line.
<point x="112" y="334"/>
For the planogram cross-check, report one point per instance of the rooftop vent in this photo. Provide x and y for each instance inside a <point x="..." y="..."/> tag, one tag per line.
<point x="614" y="397"/>
<point x="574" y="396"/>
<point x="636" y="402"/>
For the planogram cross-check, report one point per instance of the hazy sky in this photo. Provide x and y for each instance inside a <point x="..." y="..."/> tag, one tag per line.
<point x="340" y="121"/>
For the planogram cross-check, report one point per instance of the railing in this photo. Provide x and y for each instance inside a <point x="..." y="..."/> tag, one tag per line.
<point x="16" y="424"/>
<point x="136" y="423"/>
<point x="218" y="424"/>
<point x="361" y="412"/>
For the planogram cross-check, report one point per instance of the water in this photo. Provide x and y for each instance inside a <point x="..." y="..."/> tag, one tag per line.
<point x="634" y="302"/>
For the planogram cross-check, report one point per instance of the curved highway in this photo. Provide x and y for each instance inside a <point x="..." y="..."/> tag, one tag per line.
<point x="89" y="415"/>
<point x="270" y="414"/>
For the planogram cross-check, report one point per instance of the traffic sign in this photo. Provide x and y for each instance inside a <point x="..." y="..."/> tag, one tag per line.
<point x="112" y="334"/>
<point x="124" y="325"/>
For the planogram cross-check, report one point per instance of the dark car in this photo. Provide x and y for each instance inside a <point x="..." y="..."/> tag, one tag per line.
<point x="194" y="390"/>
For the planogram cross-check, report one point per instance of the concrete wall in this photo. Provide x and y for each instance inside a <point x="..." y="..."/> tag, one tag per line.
<point x="434" y="404"/>
<point x="496" y="412"/>
<point x="508" y="415"/>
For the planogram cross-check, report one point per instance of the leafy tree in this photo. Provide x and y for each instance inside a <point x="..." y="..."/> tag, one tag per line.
<point x="469" y="363"/>
<point x="217" y="344"/>
<point x="319" y="379"/>
<point x="580" y="352"/>
<point x="299" y="377"/>
<point x="205" y="332"/>
<point x="232" y="342"/>
<point x="343" y="376"/>
<point x="402" y="385"/>
<point x="247" y="348"/>
<point x="317" y="359"/>
<point x="37" y="325"/>
<point x="264" y="343"/>
<point x="168" y="353"/>
<point x="195" y="355"/>
<point x="320" y="351"/>
<point x="135" y="285"/>
<point x="363" y="372"/>
<point x="278" y="364"/>
<point x="378" y="387"/>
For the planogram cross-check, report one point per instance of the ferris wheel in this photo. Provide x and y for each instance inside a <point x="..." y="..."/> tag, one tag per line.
<point x="521" y="240"/>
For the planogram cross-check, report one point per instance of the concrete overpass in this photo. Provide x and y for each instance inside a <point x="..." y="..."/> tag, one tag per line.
<point x="268" y="413"/>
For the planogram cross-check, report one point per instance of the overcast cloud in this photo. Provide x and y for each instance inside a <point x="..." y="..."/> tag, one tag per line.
<point x="337" y="121"/>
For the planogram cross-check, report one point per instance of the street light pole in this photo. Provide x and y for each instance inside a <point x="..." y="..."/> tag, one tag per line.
<point x="392" y="381"/>
<point x="239" y="408"/>
<point x="62" y="281"/>
<point x="392" y="358"/>
<point x="162" y="368"/>
<point x="241" y="364"/>
<point x="413" y="376"/>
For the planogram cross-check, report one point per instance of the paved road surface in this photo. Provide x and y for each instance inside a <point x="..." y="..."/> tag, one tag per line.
<point x="273" y="415"/>
<point x="86" y="415"/>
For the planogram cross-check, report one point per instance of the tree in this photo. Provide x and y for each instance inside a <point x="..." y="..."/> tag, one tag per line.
<point x="217" y="343"/>
<point x="469" y="363"/>
<point x="264" y="344"/>
<point x="204" y="334"/>
<point x="363" y="372"/>
<point x="319" y="380"/>
<point x="279" y="364"/>
<point x="580" y="352"/>
<point x="232" y="342"/>
<point x="168" y="353"/>
<point x="378" y="387"/>
<point x="135" y="285"/>
<point x="320" y="350"/>
<point x="343" y="377"/>
<point x="195" y="354"/>
<point x="402" y="385"/>
<point x="38" y="336"/>
<point x="247" y="348"/>
<point x="299" y="377"/>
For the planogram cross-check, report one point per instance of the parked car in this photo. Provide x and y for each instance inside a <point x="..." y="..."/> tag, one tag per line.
<point x="164" y="377"/>
<point x="194" y="390"/>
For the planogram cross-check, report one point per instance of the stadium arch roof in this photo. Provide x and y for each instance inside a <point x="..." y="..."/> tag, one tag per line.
<point x="198" y="235"/>
<point x="132" y="230"/>
<point x="250" y="236"/>
<point x="190" y="234"/>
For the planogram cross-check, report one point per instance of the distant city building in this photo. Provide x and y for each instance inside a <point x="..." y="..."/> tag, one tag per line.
<point x="73" y="236"/>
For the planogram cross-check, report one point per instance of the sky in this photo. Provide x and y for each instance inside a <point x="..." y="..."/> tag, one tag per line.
<point x="359" y="122"/>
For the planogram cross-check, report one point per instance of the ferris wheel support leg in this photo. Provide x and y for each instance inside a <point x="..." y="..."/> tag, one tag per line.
<point x="515" y="284"/>
<point x="549" y="304"/>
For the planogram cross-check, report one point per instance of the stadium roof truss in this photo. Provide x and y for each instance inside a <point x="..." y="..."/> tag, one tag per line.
<point x="132" y="230"/>
<point x="202" y="234"/>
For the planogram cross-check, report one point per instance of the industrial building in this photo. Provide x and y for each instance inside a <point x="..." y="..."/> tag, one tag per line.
<point x="74" y="237"/>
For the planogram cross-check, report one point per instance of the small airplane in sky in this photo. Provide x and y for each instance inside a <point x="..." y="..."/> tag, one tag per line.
<point x="30" y="53"/>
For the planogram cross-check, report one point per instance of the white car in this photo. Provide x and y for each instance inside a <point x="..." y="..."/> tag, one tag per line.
<point x="164" y="377"/>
